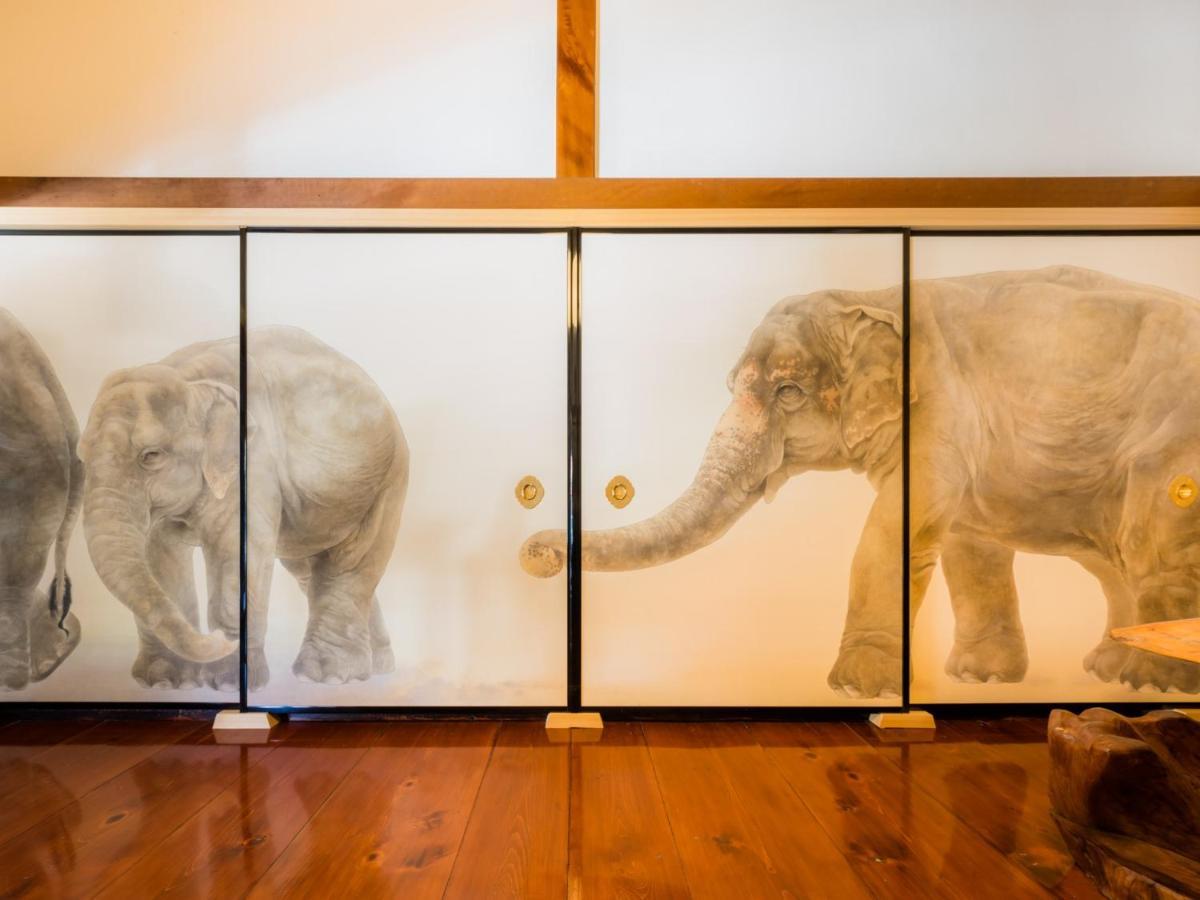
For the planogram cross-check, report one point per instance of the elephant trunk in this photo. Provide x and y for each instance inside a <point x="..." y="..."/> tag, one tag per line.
<point x="116" y="531"/>
<point x="739" y="456"/>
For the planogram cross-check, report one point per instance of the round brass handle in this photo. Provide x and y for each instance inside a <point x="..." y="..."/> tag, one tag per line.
<point x="1183" y="491"/>
<point x="529" y="492"/>
<point x="619" y="491"/>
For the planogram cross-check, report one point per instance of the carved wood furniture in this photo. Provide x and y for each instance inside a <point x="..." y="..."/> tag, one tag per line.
<point x="1125" y="792"/>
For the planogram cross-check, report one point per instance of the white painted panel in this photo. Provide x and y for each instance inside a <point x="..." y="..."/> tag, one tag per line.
<point x="465" y="335"/>
<point x="387" y="88"/>
<point x="96" y="305"/>
<point x="756" y="617"/>
<point x="876" y="88"/>
<point x="1062" y="607"/>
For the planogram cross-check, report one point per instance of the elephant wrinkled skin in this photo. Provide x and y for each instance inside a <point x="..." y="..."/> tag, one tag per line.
<point x="1050" y="412"/>
<point x="327" y="466"/>
<point x="41" y="483"/>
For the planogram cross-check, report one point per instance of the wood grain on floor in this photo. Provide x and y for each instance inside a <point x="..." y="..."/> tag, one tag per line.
<point x="494" y="809"/>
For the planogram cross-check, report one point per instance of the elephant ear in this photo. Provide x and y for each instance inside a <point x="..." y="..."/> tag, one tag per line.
<point x="220" y="460"/>
<point x="865" y="343"/>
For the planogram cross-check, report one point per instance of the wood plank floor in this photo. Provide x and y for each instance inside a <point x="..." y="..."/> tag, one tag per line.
<point x="494" y="809"/>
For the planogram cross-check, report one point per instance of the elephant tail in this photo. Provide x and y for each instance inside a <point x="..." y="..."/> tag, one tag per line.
<point x="60" y="588"/>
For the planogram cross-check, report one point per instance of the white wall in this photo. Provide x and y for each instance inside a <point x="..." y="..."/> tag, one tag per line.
<point x="687" y="87"/>
<point x="695" y="88"/>
<point x="277" y="87"/>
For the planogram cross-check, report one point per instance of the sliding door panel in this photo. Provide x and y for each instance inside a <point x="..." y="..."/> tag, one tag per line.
<point x="741" y="392"/>
<point x="407" y="430"/>
<point x="118" y="468"/>
<point x="1055" y="453"/>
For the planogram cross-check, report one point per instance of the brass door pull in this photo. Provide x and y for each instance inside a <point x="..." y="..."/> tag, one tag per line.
<point x="529" y="492"/>
<point x="619" y="491"/>
<point x="1183" y="491"/>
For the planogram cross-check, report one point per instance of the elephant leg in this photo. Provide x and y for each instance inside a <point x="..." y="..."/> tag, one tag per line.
<point x="31" y="525"/>
<point x="158" y="667"/>
<point x="222" y="568"/>
<point x="336" y="646"/>
<point x="224" y="603"/>
<point x="1150" y="672"/>
<point x="15" y="605"/>
<point x="869" y="662"/>
<point x="989" y="641"/>
<point x="382" y="659"/>
<point x="1159" y="543"/>
<point x="339" y="641"/>
<point x="1106" y="660"/>
<point x="301" y="570"/>
<point x="1171" y="594"/>
<point x="264" y="513"/>
<point x="170" y="562"/>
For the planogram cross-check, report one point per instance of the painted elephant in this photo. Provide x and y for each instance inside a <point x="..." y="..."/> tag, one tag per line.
<point x="327" y="469"/>
<point x="41" y="486"/>
<point x="1052" y="412"/>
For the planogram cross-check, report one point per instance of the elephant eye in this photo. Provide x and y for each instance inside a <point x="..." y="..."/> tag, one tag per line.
<point x="789" y="394"/>
<point x="152" y="457"/>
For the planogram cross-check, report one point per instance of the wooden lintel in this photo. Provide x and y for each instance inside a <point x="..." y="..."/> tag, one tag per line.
<point x="601" y="193"/>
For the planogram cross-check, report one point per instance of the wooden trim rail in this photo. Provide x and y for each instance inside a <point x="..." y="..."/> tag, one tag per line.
<point x="600" y="193"/>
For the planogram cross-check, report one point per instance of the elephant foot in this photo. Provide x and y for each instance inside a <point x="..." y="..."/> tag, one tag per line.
<point x="998" y="658"/>
<point x="14" y="669"/>
<point x="224" y="674"/>
<point x="864" y="671"/>
<point x="1149" y="673"/>
<point x="323" y="663"/>
<point x="1106" y="660"/>
<point x="49" y="645"/>
<point x="162" y="669"/>
<point x="14" y="646"/>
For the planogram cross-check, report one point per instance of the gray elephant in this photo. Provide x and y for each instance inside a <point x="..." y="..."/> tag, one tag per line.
<point x="41" y="486"/>
<point x="1054" y="411"/>
<point x="327" y="469"/>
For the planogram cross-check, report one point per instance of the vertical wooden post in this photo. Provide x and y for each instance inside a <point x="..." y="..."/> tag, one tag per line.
<point x="576" y="105"/>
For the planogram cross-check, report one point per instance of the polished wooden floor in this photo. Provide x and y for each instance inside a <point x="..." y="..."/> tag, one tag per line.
<point x="136" y="809"/>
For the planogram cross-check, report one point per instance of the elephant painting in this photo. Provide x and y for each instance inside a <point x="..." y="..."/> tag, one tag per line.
<point x="41" y="486"/>
<point x="327" y="468"/>
<point x="1052" y="411"/>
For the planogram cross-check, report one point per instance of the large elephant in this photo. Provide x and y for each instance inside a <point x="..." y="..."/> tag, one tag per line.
<point x="41" y="486"/>
<point x="1052" y="411"/>
<point x="327" y="468"/>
